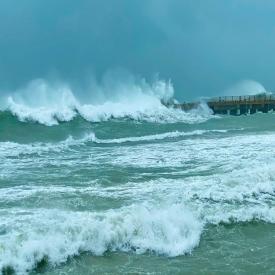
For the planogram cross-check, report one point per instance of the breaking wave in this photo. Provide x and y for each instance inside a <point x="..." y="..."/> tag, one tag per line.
<point x="50" y="104"/>
<point x="238" y="193"/>
<point x="170" y="184"/>
<point x="162" y="136"/>
<point x="54" y="236"/>
<point x="9" y="149"/>
<point x="57" y="235"/>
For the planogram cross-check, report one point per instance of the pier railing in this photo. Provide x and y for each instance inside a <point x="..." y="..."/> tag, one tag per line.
<point x="245" y="98"/>
<point x="246" y="104"/>
<point x="234" y="105"/>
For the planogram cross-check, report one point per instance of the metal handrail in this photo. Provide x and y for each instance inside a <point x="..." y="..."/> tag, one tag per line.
<point x="242" y="98"/>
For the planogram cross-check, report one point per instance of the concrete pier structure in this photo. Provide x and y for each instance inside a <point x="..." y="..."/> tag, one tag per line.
<point x="234" y="105"/>
<point x="238" y="105"/>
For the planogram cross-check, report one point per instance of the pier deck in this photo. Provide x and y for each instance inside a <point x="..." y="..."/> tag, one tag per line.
<point x="238" y="105"/>
<point x="235" y="105"/>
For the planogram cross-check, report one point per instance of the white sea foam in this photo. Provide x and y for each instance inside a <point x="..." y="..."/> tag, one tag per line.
<point x="35" y="234"/>
<point x="12" y="149"/>
<point x="170" y="229"/>
<point x="257" y="188"/>
<point x="205" y="154"/>
<point x="49" y="104"/>
<point x="162" y="136"/>
<point x="212" y="179"/>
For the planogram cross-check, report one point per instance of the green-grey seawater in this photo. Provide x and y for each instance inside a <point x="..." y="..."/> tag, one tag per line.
<point x="136" y="196"/>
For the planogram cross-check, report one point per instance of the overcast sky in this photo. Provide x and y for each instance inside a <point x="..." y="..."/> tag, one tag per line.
<point x="203" y="46"/>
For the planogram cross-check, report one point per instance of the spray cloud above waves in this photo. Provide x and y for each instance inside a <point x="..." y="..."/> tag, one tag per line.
<point x="49" y="102"/>
<point x="204" y="48"/>
<point x="246" y="87"/>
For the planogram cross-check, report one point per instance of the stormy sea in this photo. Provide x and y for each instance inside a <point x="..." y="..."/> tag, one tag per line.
<point x="129" y="186"/>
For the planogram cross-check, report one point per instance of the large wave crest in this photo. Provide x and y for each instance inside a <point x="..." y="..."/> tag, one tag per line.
<point x="50" y="103"/>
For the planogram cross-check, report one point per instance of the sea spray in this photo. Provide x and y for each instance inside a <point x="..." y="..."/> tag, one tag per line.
<point x="56" y="235"/>
<point x="246" y="87"/>
<point x="121" y="188"/>
<point x="50" y="104"/>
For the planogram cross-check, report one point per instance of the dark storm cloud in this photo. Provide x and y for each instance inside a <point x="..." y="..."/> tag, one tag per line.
<point x="202" y="46"/>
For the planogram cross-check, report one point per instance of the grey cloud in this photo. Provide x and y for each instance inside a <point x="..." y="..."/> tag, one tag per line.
<point x="202" y="46"/>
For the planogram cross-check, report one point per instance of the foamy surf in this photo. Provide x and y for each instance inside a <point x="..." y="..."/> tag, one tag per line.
<point x="168" y="135"/>
<point x="109" y="111"/>
<point x="9" y="149"/>
<point x="53" y="104"/>
<point x="56" y="235"/>
<point x="137" y="188"/>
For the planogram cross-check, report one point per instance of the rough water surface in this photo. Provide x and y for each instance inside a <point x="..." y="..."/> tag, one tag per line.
<point x="164" y="192"/>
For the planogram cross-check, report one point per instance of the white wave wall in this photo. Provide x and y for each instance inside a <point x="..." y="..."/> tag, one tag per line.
<point x="246" y="87"/>
<point x="49" y="103"/>
<point x="58" y="235"/>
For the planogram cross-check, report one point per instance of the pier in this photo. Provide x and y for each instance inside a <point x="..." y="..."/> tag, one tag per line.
<point x="239" y="105"/>
<point x="236" y="105"/>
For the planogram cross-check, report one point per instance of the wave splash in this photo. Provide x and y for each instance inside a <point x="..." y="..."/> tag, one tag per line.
<point x="50" y="104"/>
<point x="54" y="236"/>
<point x="12" y="149"/>
<point x="57" y="235"/>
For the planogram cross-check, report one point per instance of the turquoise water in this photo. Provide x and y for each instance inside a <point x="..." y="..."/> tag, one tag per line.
<point x="192" y="194"/>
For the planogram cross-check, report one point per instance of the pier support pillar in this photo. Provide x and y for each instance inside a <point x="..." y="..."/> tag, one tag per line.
<point x="228" y="112"/>
<point x="238" y="112"/>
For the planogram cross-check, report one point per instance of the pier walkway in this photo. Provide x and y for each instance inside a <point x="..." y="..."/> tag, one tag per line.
<point x="238" y="105"/>
<point x="235" y="105"/>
